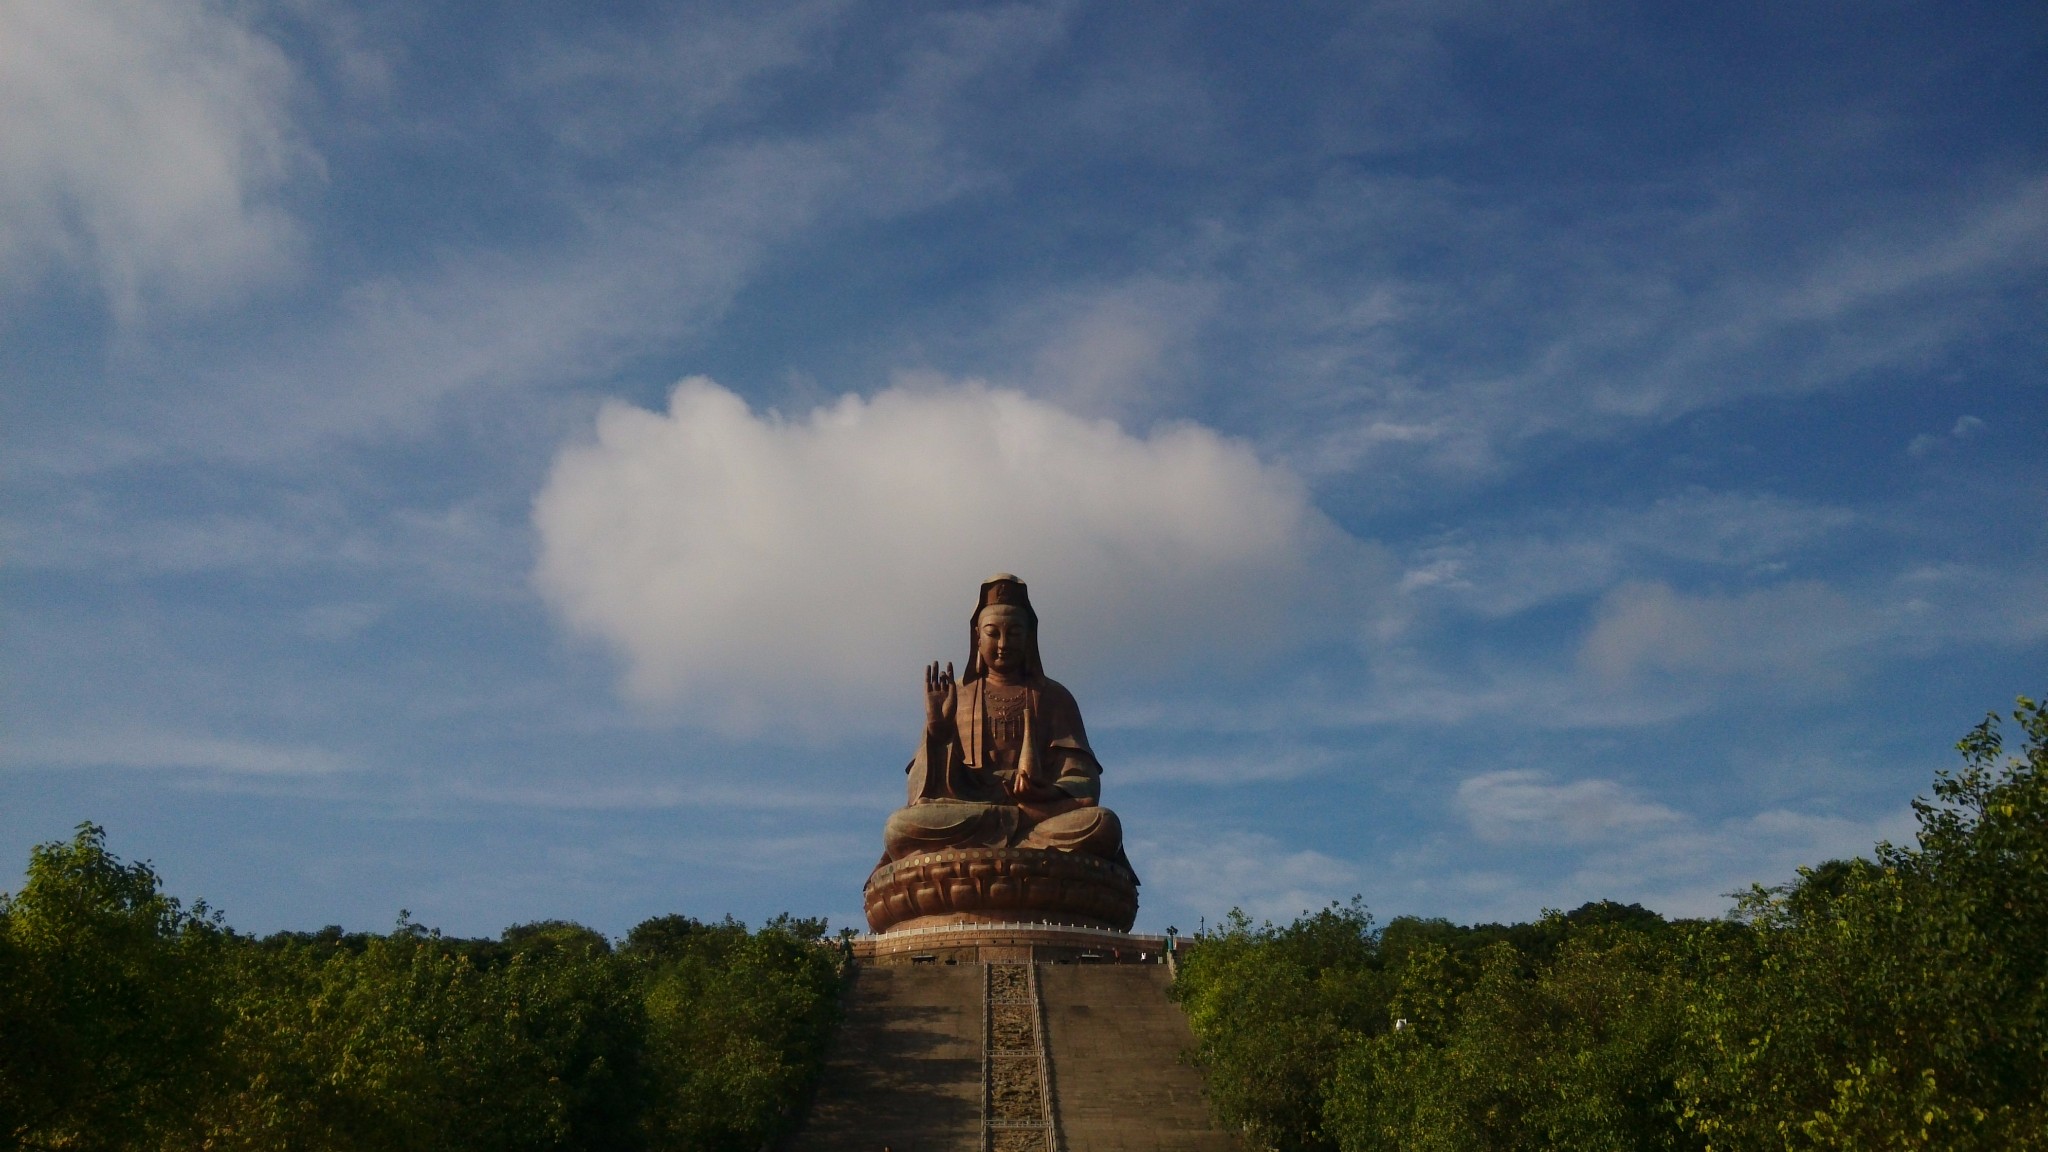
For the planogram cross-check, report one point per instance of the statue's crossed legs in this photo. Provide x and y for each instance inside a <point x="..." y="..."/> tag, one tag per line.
<point x="937" y="825"/>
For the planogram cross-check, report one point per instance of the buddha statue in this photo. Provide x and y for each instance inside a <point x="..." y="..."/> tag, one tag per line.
<point x="1005" y="760"/>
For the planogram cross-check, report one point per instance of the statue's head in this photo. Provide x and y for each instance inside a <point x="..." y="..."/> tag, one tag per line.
<point x="1005" y="631"/>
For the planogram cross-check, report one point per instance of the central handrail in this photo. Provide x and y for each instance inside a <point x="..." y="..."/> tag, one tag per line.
<point x="1053" y="1142"/>
<point x="988" y="1041"/>
<point x="1037" y="1052"/>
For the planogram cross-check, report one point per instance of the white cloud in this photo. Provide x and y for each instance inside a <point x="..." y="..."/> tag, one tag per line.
<point x="649" y="264"/>
<point x="1637" y="318"/>
<point x="1208" y="873"/>
<point x="604" y="89"/>
<point x="588" y="795"/>
<point x="1652" y="654"/>
<point x="472" y="548"/>
<point x="1104" y="350"/>
<point x="1593" y="839"/>
<point x="1966" y="427"/>
<point x="1689" y="869"/>
<point x="1795" y="629"/>
<point x="1577" y="551"/>
<point x="1260" y="765"/>
<point x="759" y="572"/>
<point x="335" y="622"/>
<point x="1529" y="808"/>
<point x="170" y="750"/>
<point x="1804" y="633"/>
<point x="144" y="141"/>
<point x="1528" y="841"/>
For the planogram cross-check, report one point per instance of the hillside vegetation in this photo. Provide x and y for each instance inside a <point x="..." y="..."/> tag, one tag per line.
<point x="130" y="1022"/>
<point x="1894" y="1003"/>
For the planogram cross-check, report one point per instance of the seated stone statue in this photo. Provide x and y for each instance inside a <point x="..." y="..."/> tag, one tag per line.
<point x="1005" y="761"/>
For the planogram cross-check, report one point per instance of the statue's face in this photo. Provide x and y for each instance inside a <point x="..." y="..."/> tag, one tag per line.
<point x="999" y="640"/>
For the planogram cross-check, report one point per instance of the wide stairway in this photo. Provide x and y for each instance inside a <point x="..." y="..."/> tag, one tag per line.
<point x="1009" y="1057"/>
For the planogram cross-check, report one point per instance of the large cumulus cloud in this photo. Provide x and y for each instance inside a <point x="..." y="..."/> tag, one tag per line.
<point x="755" y="571"/>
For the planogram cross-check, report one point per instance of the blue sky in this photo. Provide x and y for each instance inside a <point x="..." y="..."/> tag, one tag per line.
<point x="513" y="463"/>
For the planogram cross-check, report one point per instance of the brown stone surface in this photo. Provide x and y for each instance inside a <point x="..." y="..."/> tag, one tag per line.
<point x="905" y="1069"/>
<point x="1118" y="1082"/>
<point x="1001" y="885"/>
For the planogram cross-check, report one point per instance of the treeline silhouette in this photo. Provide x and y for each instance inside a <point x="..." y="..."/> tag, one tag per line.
<point x="1899" y="1002"/>
<point x="130" y="1022"/>
<point x="1892" y="1003"/>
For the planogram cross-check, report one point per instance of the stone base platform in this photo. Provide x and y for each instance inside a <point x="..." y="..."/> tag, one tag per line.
<point x="1001" y="886"/>
<point x="948" y="944"/>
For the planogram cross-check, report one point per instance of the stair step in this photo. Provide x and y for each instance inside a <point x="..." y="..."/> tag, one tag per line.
<point x="906" y="1070"/>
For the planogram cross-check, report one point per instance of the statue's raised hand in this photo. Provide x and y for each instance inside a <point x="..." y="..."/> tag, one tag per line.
<point x="941" y="696"/>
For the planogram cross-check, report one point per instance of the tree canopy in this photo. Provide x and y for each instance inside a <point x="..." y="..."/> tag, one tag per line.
<point x="128" y="1022"/>
<point x="1897" y="1002"/>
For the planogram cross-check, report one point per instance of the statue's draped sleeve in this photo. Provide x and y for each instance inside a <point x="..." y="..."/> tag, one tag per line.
<point x="937" y="765"/>
<point x="1059" y="727"/>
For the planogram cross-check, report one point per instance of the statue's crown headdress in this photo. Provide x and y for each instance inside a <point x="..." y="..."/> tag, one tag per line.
<point x="1003" y="588"/>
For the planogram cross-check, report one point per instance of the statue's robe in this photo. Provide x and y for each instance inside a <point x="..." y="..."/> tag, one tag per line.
<point x="957" y="779"/>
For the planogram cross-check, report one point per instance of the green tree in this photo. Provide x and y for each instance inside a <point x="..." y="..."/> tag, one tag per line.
<point x="127" y="1022"/>
<point x="109" y="1016"/>
<point x="1573" y="1053"/>
<point x="1272" y="1009"/>
<point x="1901" y="1003"/>
<point x="418" y="1042"/>
<point x="737" y="1027"/>
<point x="1894" y="1003"/>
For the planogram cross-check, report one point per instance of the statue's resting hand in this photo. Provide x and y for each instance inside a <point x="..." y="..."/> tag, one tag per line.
<point x="1041" y="802"/>
<point x="941" y="697"/>
<point x="1023" y="790"/>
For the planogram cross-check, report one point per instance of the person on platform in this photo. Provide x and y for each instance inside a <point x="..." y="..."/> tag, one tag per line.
<point x="1004" y="762"/>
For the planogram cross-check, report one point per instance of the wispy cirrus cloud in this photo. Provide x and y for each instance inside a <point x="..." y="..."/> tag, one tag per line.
<point x="641" y="266"/>
<point x="1926" y="444"/>
<point x="1635" y="319"/>
<point x="1688" y="867"/>
<point x="1500" y="570"/>
<point x="1794" y="630"/>
<point x="1805" y="632"/>
<point x="146" y="146"/>
<point x="157" y="751"/>
<point x="1575" y="839"/>
<point x="1530" y="808"/>
<point x="1529" y="840"/>
<point x="603" y="91"/>
<point x="1209" y="872"/>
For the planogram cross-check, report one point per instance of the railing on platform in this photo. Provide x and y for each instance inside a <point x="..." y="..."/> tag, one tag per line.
<point x="997" y="929"/>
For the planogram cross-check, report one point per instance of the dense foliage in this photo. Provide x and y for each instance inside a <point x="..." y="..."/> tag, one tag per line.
<point x="128" y="1022"/>
<point x="1894" y="1003"/>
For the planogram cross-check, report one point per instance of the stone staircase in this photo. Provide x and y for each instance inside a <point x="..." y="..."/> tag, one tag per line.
<point x="926" y="1061"/>
<point x="905" y="1071"/>
<point x="1118" y="1082"/>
